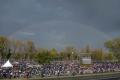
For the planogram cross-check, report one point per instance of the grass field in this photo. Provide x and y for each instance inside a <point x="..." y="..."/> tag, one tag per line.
<point x="77" y="77"/>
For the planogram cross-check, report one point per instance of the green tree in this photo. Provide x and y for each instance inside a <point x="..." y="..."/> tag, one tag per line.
<point x="17" y="56"/>
<point x="3" y="47"/>
<point x="63" y="56"/>
<point x="43" y="56"/>
<point x="30" y="46"/>
<point x="8" y="55"/>
<point x="70" y="52"/>
<point x="53" y="52"/>
<point x="109" y="56"/>
<point x="97" y="55"/>
<point x="87" y="49"/>
<point x="114" y="46"/>
<point x="29" y="49"/>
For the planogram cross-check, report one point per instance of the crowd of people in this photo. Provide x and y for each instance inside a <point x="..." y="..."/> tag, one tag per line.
<point x="75" y="68"/>
<point x="58" y="68"/>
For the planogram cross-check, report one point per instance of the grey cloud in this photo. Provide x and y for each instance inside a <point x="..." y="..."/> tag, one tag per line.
<point x="53" y="20"/>
<point x="103" y="14"/>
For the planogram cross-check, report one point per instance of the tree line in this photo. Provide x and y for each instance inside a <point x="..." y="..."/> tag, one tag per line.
<point x="26" y="50"/>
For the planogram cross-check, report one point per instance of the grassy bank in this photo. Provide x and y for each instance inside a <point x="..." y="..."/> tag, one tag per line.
<point x="77" y="77"/>
<point x="82" y="77"/>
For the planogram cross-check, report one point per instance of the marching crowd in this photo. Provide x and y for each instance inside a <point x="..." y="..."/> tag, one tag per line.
<point x="61" y="68"/>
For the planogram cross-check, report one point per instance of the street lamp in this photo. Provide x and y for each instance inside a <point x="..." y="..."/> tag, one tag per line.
<point x="72" y="52"/>
<point x="72" y="55"/>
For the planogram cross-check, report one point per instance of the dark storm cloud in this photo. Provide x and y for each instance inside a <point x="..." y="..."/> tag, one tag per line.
<point x="102" y="14"/>
<point x="19" y="14"/>
<point x="57" y="23"/>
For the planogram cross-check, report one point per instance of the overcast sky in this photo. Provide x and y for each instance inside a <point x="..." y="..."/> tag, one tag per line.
<point x="61" y="23"/>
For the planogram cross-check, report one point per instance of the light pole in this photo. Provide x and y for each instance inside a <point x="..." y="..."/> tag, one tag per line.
<point x="72" y="55"/>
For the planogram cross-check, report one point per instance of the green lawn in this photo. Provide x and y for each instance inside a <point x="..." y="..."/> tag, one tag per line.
<point x="62" y="77"/>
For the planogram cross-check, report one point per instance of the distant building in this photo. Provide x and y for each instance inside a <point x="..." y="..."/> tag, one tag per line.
<point x="85" y="58"/>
